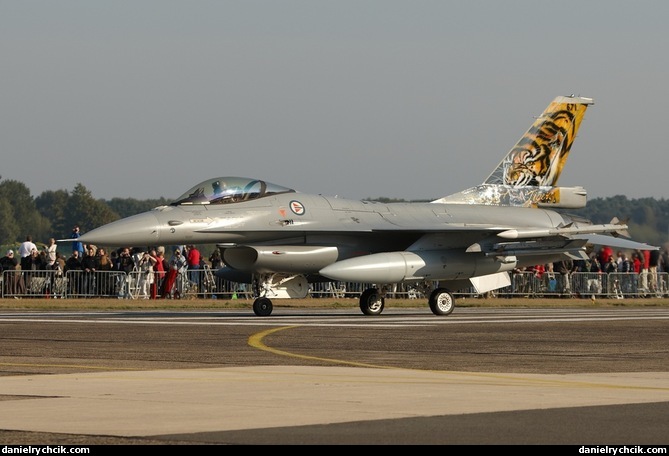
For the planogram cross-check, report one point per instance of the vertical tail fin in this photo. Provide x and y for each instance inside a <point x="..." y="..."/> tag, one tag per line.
<point x="528" y="175"/>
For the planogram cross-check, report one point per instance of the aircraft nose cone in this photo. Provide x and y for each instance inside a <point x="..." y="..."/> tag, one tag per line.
<point x="137" y="230"/>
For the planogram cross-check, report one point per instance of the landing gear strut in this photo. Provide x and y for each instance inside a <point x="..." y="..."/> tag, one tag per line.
<point x="277" y="285"/>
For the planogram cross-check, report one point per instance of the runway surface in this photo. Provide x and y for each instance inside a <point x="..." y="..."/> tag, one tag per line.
<point x="479" y="376"/>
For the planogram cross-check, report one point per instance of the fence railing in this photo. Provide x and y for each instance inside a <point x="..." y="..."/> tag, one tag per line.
<point x="203" y="283"/>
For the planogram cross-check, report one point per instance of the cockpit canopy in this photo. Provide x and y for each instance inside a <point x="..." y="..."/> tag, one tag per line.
<point x="227" y="190"/>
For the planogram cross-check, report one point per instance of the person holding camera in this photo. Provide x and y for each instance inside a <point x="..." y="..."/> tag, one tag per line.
<point x="125" y="263"/>
<point x="76" y="245"/>
<point x="146" y="275"/>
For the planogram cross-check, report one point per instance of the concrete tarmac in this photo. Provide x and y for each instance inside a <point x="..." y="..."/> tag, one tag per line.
<point x="480" y="376"/>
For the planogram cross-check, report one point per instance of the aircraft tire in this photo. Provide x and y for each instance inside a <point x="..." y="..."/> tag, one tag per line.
<point x="442" y="302"/>
<point x="262" y="307"/>
<point x="371" y="302"/>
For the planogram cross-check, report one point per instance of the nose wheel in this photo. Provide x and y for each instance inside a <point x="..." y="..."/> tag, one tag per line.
<point x="262" y="307"/>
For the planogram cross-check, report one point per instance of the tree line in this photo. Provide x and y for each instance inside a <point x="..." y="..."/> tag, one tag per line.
<point x="54" y="212"/>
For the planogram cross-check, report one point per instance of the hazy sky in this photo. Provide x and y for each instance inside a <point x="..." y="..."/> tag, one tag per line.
<point x="408" y="99"/>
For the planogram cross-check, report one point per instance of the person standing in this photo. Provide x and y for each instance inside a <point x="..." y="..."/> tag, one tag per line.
<point x="636" y="263"/>
<point x="605" y="252"/>
<point x="596" y="275"/>
<point x="73" y="264"/>
<point x="76" y="245"/>
<point x="26" y="247"/>
<point x="217" y="263"/>
<point x="104" y="280"/>
<point x="89" y="263"/>
<point x="51" y="253"/>
<point x="177" y="266"/>
<point x="146" y="275"/>
<point x="158" y="271"/>
<point x="612" y="284"/>
<point x="9" y="263"/>
<point x="653" y="264"/>
<point x="644" y="256"/>
<point x="125" y="264"/>
<point x="625" y="270"/>
<point x="563" y="269"/>
<point x="215" y="259"/>
<point x="193" y="260"/>
<point x="30" y="264"/>
<point x="664" y="260"/>
<point x="59" y="282"/>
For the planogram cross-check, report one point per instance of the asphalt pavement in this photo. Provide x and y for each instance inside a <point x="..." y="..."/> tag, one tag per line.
<point x="479" y="376"/>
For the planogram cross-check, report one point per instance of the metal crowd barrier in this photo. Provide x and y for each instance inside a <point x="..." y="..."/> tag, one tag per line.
<point x="202" y="283"/>
<point x="618" y="285"/>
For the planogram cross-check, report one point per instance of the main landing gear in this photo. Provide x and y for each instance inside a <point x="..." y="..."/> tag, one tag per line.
<point x="441" y="302"/>
<point x="372" y="302"/>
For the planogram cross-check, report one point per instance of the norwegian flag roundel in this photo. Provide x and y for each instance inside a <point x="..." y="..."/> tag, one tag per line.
<point x="297" y="207"/>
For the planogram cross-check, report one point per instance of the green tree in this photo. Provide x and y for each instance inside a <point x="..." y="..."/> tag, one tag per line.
<point x="23" y="211"/>
<point x="647" y="218"/>
<point x="87" y="212"/>
<point x="53" y="205"/>
<point x="9" y="229"/>
<point x="125" y="207"/>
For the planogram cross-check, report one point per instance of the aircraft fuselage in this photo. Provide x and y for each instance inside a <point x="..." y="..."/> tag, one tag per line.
<point x="302" y="219"/>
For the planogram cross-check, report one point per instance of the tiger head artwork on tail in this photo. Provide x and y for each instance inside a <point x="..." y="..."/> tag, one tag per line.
<point x="528" y="174"/>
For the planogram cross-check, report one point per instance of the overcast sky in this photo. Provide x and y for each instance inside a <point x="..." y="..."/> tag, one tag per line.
<point x="410" y="99"/>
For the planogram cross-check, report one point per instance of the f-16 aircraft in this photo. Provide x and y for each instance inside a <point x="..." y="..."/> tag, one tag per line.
<point x="280" y="240"/>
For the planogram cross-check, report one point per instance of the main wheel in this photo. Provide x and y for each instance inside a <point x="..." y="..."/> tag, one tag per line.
<point x="262" y="307"/>
<point x="371" y="302"/>
<point x="442" y="302"/>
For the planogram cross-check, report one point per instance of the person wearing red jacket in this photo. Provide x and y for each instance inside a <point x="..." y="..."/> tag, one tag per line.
<point x="604" y="253"/>
<point x="158" y="272"/>
<point x="645" y="265"/>
<point x="193" y="258"/>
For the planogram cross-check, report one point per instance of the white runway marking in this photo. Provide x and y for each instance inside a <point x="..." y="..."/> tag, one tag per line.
<point x="340" y="318"/>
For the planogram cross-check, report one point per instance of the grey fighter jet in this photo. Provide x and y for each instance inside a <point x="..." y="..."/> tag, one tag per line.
<point x="280" y="240"/>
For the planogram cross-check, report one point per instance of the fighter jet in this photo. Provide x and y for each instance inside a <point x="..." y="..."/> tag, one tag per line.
<point x="280" y="240"/>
